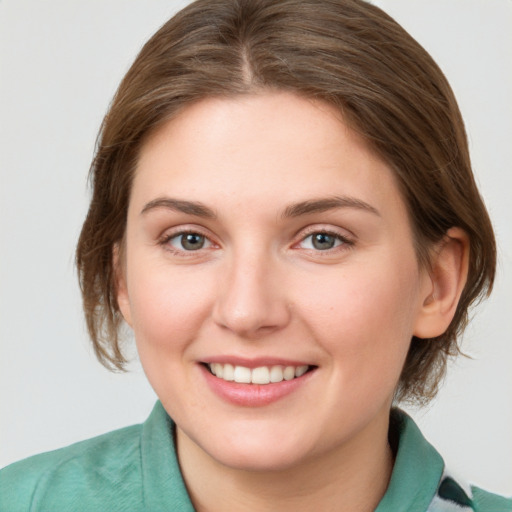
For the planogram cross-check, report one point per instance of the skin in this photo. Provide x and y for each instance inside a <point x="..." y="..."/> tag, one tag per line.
<point x="260" y="288"/>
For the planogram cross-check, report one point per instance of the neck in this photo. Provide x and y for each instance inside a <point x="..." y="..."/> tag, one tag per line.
<point x="348" y="478"/>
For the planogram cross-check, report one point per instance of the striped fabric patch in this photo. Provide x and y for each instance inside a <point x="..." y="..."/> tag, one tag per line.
<point x="452" y="495"/>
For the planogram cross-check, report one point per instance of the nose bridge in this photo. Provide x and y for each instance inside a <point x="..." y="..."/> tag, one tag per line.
<point x="250" y="300"/>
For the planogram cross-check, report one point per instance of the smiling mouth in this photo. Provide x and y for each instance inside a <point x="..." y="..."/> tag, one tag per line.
<point x="260" y="375"/>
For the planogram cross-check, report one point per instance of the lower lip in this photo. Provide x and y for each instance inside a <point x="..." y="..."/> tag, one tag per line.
<point x="253" y="395"/>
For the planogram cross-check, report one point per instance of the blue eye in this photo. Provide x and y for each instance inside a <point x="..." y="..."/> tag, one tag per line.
<point x="322" y="241"/>
<point x="189" y="241"/>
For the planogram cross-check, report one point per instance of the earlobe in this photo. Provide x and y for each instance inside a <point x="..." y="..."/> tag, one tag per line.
<point x="448" y="277"/>
<point x="123" y="301"/>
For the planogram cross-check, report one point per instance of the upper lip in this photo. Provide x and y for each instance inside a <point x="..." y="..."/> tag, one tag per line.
<point x="254" y="362"/>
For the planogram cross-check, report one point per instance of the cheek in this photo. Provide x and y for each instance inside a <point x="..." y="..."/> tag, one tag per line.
<point x="167" y="307"/>
<point x="365" y="314"/>
<point x="168" y="310"/>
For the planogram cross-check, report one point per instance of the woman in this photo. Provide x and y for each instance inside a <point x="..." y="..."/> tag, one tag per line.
<point x="284" y="213"/>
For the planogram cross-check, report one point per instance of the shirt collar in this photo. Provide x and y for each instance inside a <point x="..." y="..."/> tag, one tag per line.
<point x="417" y="470"/>
<point x="163" y="486"/>
<point x="416" y="473"/>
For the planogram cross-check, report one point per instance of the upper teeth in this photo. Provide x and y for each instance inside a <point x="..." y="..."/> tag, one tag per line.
<point x="260" y="375"/>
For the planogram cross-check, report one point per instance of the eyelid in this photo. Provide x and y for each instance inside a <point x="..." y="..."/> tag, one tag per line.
<point x="180" y="230"/>
<point x="347" y="238"/>
<point x="207" y="242"/>
<point x="342" y="233"/>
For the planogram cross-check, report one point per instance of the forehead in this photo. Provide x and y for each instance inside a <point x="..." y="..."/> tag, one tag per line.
<point x="260" y="148"/>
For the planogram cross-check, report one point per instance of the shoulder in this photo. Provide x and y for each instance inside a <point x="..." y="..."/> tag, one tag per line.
<point x="421" y="481"/>
<point x="484" y="501"/>
<point x="455" y="493"/>
<point x="69" y="478"/>
<point x="135" y="468"/>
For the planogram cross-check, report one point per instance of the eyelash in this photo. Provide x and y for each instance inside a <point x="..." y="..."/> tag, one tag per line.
<point x="166" y="239"/>
<point x="344" y="242"/>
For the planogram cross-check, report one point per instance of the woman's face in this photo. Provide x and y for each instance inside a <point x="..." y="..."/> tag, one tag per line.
<point x="265" y="240"/>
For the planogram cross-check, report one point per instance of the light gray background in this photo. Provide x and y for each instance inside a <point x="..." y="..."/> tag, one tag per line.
<point x="60" y="64"/>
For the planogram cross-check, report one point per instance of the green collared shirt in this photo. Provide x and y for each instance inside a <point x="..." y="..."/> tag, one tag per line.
<point x="136" y="469"/>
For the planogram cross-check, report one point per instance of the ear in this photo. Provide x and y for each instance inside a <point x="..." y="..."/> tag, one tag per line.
<point x="122" y="297"/>
<point x="448" y="275"/>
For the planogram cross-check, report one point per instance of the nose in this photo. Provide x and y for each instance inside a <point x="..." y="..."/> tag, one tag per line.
<point x="251" y="299"/>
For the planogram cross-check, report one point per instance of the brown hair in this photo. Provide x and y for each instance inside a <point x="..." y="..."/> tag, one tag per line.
<point x="345" y="52"/>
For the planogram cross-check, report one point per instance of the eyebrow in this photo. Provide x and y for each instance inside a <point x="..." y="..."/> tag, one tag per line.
<point x="179" y="205"/>
<point x="294" y="210"/>
<point x="329" y="203"/>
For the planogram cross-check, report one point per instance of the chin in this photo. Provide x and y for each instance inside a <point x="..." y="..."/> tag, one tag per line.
<point x="261" y="460"/>
<point x="256" y="450"/>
